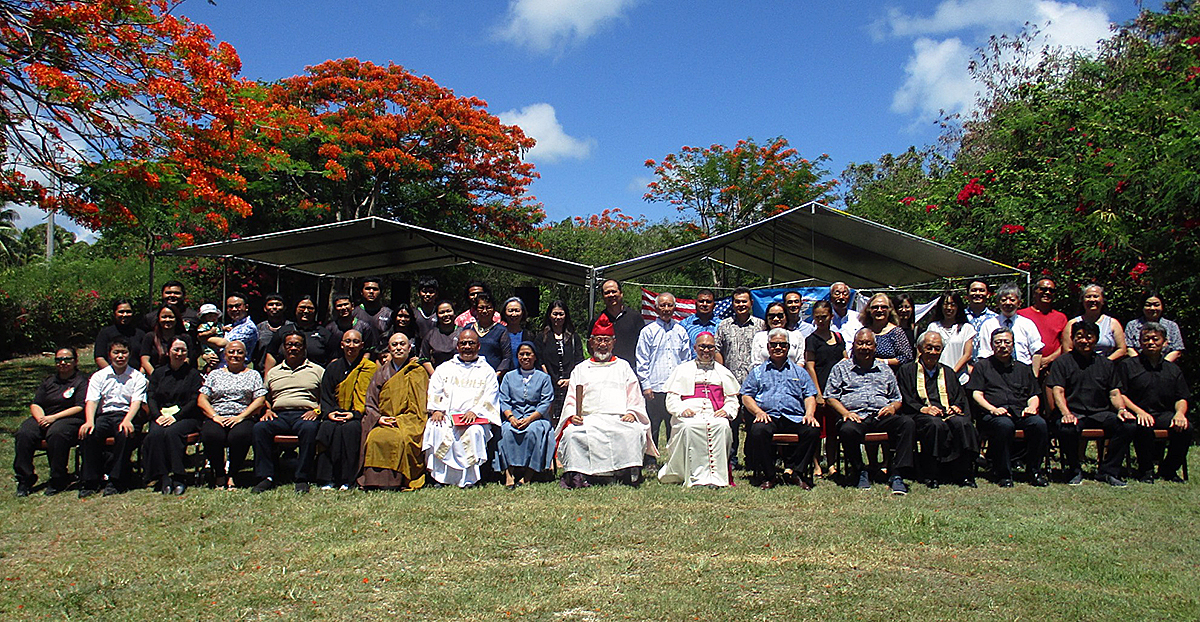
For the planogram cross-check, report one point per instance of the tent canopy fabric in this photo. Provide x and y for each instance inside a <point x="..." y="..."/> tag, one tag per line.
<point x="810" y="242"/>
<point x="377" y="246"/>
<point x="817" y="242"/>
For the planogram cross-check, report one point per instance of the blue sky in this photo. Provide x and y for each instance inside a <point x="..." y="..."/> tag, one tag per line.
<point x="605" y="84"/>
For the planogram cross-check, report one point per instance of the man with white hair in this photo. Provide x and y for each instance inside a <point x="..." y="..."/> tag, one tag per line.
<point x="938" y="406"/>
<point x="604" y="431"/>
<point x="844" y="321"/>
<point x="662" y="345"/>
<point x="1027" y="339"/>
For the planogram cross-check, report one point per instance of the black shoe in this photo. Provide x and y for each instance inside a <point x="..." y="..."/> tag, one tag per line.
<point x="110" y="490"/>
<point x="1173" y="478"/>
<point x="1076" y="479"/>
<point x="804" y="484"/>
<point x="164" y="485"/>
<point x="1005" y="483"/>
<point x="52" y="489"/>
<point x="1039" y="480"/>
<point x="1114" y="481"/>
<point x="1146" y="478"/>
<point x="968" y="482"/>
<point x="23" y="490"/>
<point x="932" y="484"/>
<point x="178" y="489"/>
<point x="85" y="492"/>
<point x="263" y="486"/>
<point x="898" y="487"/>
<point x="301" y="487"/>
<point x="767" y="485"/>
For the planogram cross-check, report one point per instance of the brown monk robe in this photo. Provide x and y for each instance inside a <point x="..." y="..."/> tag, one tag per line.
<point x="394" y="422"/>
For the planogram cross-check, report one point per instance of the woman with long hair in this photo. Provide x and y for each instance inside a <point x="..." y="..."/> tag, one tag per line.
<point x="891" y="343"/>
<point x="958" y="336"/>
<point x="561" y="350"/>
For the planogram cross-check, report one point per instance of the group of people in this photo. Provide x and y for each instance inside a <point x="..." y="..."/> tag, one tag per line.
<point x="432" y="395"/>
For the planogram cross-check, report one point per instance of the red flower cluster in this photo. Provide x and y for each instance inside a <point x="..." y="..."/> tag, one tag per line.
<point x="1121" y="185"/>
<point x="930" y="207"/>
<point x="972" y="189"/>
<point x="908" y="200"/>
<point x="1138" y="270"/>
<point x="1011" y="229"/>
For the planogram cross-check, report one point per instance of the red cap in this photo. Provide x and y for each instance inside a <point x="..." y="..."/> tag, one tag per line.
<point x="604" y="326"/>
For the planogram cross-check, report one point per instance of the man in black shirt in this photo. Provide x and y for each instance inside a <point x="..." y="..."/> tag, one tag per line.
<point x="123" y="326"/>
<point x="937" y="403"/>
<point x="627" y="322"/>
<point x="1157" y="393"/>
<point x="172" y="296"/>
<point x="343" y="320"/>
<point x="1087" y="394"/>
<point x="1007" y="397"/>
<point x="372" y="309"/>
<point x="274" y="307"/>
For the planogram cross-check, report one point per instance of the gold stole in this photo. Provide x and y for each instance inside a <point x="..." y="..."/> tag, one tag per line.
<point x="352" y="392"/>
<point x="923" y="393"/>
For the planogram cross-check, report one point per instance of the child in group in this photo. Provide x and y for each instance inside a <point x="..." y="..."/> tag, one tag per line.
<point x="210" y="326"/>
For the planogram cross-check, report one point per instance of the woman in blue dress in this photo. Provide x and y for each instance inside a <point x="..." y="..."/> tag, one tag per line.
<point x="526" y="436"/>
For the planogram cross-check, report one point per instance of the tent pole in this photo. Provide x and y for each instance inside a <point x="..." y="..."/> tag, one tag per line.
<point x="278" y="275"/>
<point x="1029" y="288"/>
<point x="150" y="284"/>
<point x="224" y="281"/>
<point x="591" y="287"/>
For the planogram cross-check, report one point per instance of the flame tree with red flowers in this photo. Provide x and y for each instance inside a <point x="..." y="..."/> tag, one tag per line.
<point x="99" y="92"/>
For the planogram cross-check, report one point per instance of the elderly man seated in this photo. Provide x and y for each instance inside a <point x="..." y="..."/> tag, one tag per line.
<point x="864" y="392"/>
<point x="938" y="406"/>
<point x="343" y="401"/>
<point x="1087" y="394"/>
<point x="463" y="406"/>
<point x="1007" y="394"/>
<point x="702" y="399"/>
<point x="781" y="397"/>
<point x="1156" y="391"/>
<point x="604" y="431"/>
<point x="393" y="423"/>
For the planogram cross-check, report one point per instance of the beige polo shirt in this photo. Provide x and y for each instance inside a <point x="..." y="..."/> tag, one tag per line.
<point x="294" y="388"/>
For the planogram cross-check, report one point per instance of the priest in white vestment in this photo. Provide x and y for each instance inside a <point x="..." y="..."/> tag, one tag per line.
<point x="604" y="432"/>
<point x="702" y="397"/>
<point x="463" y="406"/>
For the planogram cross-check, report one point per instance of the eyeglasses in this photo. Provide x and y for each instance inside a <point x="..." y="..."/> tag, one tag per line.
<point x="1048" y="290"/>
<point x="467" y="342"/>
<point x="884" y="307"/>
<point x="777" y="344"/>
<point x="708" y="346"/>
<point x="776" y="315"/>
<point x="63" y="359"/>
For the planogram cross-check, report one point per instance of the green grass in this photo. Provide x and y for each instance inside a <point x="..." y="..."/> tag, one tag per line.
<point x="541" y="553"/>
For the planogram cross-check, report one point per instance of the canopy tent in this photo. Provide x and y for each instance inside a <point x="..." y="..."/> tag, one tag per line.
<point x="817" y="242"/>
<point x="810" y="242"/>
<point x="373" y="245"/>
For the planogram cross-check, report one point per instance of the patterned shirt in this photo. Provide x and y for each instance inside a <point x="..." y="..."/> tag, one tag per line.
<point x="244" y="331"/>
<point x="862" y="390"/>
<point x="230" y="393"/>
<point x="661" y="347"/>
<point x="735" y="342"/>
<point x="780" y="391"/>
<point x="1133" y="335"/>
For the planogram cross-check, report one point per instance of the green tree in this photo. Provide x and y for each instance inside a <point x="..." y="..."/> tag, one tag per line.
<point x="725" y="188"/>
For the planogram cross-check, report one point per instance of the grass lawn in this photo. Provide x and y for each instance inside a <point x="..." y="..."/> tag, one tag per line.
<point x="541" y="553"/>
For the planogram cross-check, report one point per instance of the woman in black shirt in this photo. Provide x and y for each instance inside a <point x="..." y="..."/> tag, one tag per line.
<point x="560" y="351"/>
<point x="55" y="416"/>
<point x="823" y="348"/>
<point x="174" y="415"/>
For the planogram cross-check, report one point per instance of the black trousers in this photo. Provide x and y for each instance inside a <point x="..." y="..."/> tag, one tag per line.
<point x="1148" y="452"/>
<point x="1120" y="434"/>
<point x="1000" y="431"/>
<point x="97" y="465"/>
<point x="656" y="410"/>
<point x="164" y="449"/>
<point x="217" y="438"/>
<point x="59" y="437"/>
<point x="949" y="445"/>
<point x="266" y="457"/>
<point x="761" y="449"/>
<point x="337" y="451"/>
<point x="901" y="430"/>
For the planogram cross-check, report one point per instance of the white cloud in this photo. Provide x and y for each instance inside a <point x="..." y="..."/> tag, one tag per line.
<point x="553" y="144"/>
<point x="638" y="184"/>
<point x="936" y="76"/>
<point x="936" y="79"/>
<point x="543" y="25"/>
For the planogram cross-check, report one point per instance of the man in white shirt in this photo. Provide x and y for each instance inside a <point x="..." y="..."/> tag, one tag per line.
<point x="115" y="395"/>
<point x="845" y="320"/>
<point x="604" y="432"/>
<point x="978" y="312"/>
<point x="463" y="406"/>
<point x="1027" y="339"/>
<point x="662" y="345"/>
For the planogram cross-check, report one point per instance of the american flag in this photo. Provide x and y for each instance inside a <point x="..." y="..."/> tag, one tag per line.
<point x="683" y="307"/>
